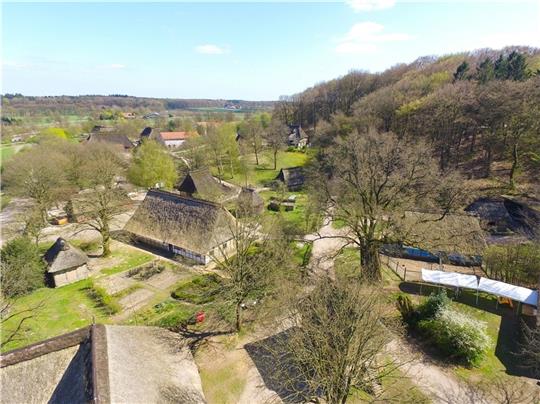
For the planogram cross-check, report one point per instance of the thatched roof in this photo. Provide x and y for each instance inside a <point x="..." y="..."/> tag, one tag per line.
<point x="450" y="233"/>
<point x="293" y="177"/>
<point x="500" y="215"/>
<point x="249" y="201"/>
<point x="202" y="184"/>
<point x="102" y="364"/>
<point x="151" y="133"/>
<point x="193" y="224"/>
<point x="62" y="256"/>
<point x="114" y="139"/>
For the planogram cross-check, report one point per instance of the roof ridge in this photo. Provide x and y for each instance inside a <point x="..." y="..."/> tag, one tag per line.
<point x="181" y="196"/>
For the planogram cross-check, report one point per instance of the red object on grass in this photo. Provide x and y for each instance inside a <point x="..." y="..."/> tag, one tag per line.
<point x="200" y="316"/>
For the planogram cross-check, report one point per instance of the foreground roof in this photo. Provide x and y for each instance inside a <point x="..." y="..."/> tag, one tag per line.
<point x="62" y="255"/>
<point x="103" y="364"/>
<point x="194" y="224"/>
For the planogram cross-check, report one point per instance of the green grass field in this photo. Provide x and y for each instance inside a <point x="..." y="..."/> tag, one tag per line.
<point x="63" y="309"/>
<point x="68" y="307"/>
<point x="262" y="174"/>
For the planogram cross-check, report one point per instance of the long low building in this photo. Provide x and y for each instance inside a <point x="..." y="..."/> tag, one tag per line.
<point x="192" y="228"/>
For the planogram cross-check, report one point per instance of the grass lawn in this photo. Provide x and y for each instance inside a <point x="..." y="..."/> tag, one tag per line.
<point x="64" y="309"/>
<point x="68" y="307"/>
<point x="262" y="174"/>
<point x="129" y="259"/>
<point x="7" y="151"/>
<point x="295" y="219"/>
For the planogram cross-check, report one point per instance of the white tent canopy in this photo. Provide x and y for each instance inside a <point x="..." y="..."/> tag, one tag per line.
<point x="454" y="279"/>
<point x="518" y="293"/>
<point x="450" y="279"/>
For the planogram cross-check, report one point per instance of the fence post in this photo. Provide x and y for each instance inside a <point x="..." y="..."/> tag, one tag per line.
<point x="404" y="272"/>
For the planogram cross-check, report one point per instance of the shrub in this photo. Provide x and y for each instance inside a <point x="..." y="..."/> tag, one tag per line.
<point x="456" y="335"/>
<point x="435" y="303"/>
<point x="407" y="310"/>
<point x="22" y="269"/>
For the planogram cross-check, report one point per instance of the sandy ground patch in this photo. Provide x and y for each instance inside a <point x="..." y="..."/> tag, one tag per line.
<point x="115" y="283"/>
<point x="166" y="278"/>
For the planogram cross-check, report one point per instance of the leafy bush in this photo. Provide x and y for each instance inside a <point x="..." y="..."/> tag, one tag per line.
<point x="22" y="269"/>
<point x="435" y="303"/>
<point x="103" y="300"/>
<point x="199" y="290"/>
<point x="456" y="335"/>
<point x="406" y="308"/>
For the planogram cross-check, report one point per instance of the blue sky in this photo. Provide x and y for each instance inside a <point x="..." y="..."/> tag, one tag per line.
<point x="246" y="50"/>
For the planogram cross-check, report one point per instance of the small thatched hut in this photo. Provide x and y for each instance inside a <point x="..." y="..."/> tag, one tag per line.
<point x="292" y="177"/>
<point x="189" y="227"/>
<point x="249" y="202"/>
<point x="201" y="184"/>
<point x="66" y="263"/>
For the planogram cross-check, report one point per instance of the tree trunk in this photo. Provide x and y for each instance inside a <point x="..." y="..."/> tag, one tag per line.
<point x="275" y="158"/>
<point x="256" y="156"/>
<point x="489" y="158"/>
<point x="106" y="241"/>
<point x="370" y="262"/>
<point x="238" y="317"/>
<point x="515" y="162"/>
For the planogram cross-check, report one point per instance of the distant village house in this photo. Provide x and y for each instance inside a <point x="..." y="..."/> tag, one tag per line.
<point x="297" y="137"/>
<point x="175" y="139"/>
<point x="292" y="177"/>
<point x="201" y="184"/>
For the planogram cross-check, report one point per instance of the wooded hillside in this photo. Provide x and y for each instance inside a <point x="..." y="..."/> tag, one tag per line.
<point x="474" y="109"/>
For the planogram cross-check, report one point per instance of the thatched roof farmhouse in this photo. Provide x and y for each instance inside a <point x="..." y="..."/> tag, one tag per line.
<point x="102" y="364"/>
<point x="193" y="228"/>
<point x="201" y="184"/>
<point x="65" y="263"/>
<point x="112" y="139"/>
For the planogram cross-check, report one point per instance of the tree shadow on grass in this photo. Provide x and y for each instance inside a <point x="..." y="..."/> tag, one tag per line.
<point x="277" y="368"/>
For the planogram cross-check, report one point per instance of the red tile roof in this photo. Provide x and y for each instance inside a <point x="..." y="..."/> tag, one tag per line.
<point x="175" y="135"/>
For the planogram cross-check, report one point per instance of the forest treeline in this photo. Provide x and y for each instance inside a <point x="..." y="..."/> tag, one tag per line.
<point x="472" y="108"/>
<point x="18" y="104"/>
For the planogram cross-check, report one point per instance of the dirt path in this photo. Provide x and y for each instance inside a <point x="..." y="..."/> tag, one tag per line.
<point x="441" y="386"/>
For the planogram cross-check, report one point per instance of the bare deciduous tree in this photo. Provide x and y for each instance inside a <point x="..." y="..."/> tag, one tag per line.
<point x="369" y="181"/>
<point x="336" y="343"/>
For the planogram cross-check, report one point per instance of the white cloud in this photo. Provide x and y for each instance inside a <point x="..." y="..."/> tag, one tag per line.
<point x="117" y="66"/>
<point x="369" y="5"/>
<point x="502" y="39"/>
<point x="364" y="37"/>
<point x="14" y="65"/>
<point x="209" y="49"/>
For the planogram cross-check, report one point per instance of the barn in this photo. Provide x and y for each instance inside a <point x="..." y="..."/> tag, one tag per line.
<point x="192" y="228"/>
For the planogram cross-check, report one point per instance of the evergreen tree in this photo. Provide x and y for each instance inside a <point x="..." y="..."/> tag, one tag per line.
<point x="501" y="68"/>
<point x="516" y="66"/>
<point x="485" y="71"/>
<point x="461" y="71"/>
